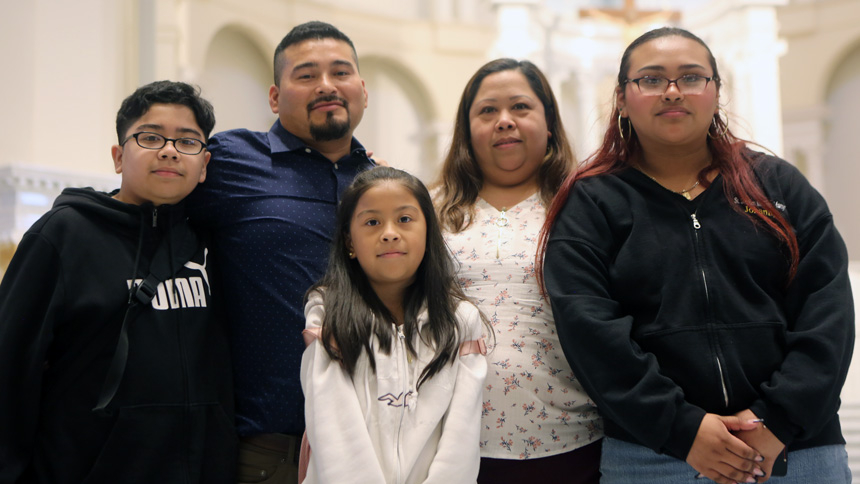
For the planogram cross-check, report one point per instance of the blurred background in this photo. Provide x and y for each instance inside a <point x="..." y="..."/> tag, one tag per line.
<point x="791" y="71"/>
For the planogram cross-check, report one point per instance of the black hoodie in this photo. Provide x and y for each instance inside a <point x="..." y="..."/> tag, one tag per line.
<point x="62" y="303"/>
<point x="668" y="308"/>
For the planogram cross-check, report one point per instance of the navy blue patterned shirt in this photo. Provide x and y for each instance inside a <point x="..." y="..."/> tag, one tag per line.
<point x="269" y="201"/>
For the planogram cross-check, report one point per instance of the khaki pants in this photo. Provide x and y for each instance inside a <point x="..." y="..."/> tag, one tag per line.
<point x="269" y="459"/>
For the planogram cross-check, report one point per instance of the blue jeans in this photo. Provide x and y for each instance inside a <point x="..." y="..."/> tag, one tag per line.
<point x="625" y="463"/>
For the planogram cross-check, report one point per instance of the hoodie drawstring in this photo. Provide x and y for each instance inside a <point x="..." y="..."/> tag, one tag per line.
<point x="161" y="268"/>
<point x="135" y="268"/>
<point x="120" y="357"/>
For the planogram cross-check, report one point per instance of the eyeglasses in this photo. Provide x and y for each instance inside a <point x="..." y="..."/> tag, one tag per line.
<point x="155" y="141"/>
<point x="691" y="84"/>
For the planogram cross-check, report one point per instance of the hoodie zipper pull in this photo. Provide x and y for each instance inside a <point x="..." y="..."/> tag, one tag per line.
<point x="403" y="339"/>
<point x="696" y="224"/>
<point x="154" y="217"/>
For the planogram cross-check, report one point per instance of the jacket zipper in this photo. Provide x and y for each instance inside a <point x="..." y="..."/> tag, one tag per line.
<point x="698" y="226"/>
<point x="183" y="361"/>
<point x="402" y="340"/>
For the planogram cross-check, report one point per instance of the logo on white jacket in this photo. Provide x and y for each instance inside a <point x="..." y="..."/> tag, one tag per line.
<point x="183" y="292"/>
<point x="395" y="400"/>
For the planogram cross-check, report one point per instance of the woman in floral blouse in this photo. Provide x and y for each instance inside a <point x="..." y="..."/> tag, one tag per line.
<point x="507" y="158"/>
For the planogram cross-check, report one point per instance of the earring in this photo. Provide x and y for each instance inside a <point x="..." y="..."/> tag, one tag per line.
<point x="550" y="152"/>
<point x="351" y="255"/>
<point x="620" y="130"/>
<point x="717" y="132"/>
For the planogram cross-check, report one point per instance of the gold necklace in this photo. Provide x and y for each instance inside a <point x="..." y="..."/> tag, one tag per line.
<point x="684" y="193"/>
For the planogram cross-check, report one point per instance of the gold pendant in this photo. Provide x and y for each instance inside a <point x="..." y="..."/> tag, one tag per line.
<point x="686" y="195"/>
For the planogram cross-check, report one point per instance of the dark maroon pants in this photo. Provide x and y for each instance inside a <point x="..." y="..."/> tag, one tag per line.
<point x="580" y="466"/>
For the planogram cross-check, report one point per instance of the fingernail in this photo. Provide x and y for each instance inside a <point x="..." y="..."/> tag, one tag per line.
<point x="756" y="420"/>
<point x="759" y="458"/>
<point x="700" y="476"/>
<point x="750" y="479"/>
<point x="759" y="472"/>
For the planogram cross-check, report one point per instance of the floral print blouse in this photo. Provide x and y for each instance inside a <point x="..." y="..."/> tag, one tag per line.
<point x="533" y="404"/>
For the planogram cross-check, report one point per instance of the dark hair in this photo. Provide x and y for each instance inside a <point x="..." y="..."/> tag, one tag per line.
<point x="730" y="156"/>
<point x="315" y="30"/>
<point x="164" y="92"/>
<point x="461" y="178"/>
<point x="353" y="311"/>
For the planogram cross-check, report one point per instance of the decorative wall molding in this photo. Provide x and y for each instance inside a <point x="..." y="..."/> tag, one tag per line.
<point x="28" y="191"/>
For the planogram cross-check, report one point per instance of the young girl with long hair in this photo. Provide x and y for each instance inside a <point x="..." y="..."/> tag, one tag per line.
<point x="700" y="288"/>
<point x="393" y="371"/>
<point x="507" y="159"/>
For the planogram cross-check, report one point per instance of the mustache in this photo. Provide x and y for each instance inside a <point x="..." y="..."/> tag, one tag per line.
<point x="327" y="99"/>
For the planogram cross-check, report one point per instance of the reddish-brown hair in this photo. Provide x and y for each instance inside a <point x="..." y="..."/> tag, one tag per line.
<point x="730" y="154"/>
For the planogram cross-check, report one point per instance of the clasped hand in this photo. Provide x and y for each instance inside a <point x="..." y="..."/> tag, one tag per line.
<point x="734" y="449"/>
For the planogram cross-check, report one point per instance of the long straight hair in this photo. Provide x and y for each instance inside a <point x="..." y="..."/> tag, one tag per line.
<point x="354" y="314"/>
<point x="461" y="178"/>
<point x="730" y="155"/>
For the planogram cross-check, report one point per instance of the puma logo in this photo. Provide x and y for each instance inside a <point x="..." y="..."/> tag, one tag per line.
<point x="202" y="268"/>
<point x="182" y="292"/>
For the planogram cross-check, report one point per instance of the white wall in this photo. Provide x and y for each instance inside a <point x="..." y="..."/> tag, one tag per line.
<point x="841" y="163"/>
<point x="236" y="80"/>
<point x="60" y="84"/>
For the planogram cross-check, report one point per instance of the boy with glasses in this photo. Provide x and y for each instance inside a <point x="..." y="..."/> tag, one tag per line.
<point x="113" y="364"/>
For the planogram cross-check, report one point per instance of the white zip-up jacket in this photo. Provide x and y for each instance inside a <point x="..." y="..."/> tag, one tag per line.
<point x="375" y="428"/>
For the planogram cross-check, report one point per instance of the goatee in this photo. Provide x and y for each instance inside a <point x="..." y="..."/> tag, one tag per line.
<point x="331" y="130"/>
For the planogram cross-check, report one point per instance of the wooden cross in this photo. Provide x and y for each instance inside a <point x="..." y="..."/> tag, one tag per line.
<point x="629" y="17"/>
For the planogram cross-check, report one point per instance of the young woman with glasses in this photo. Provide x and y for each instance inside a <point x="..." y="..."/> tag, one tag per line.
<point x="700" y="288"/>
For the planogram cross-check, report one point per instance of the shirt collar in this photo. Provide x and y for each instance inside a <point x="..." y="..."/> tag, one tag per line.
<point x="281" y="140"/>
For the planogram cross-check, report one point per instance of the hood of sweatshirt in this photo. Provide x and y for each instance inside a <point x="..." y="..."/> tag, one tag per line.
<point x="146" y="223"/>
<point x="120" y="213"/>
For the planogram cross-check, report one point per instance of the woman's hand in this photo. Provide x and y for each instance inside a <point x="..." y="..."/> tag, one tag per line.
<point x="378" y="161"/>
<point x="762" y="440"/>
<point x="722" y="457"/>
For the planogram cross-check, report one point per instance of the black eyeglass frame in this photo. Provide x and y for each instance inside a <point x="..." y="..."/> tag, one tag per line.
<point x="166" y="139"/>
<point x="669" y="82"/>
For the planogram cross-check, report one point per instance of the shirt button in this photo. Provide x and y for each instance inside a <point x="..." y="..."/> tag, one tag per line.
<point x="307" y="150"/>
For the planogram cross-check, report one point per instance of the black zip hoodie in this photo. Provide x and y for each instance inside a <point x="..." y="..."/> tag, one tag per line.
<point x="62" y="303"/>
<point x="668" y="308"/>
